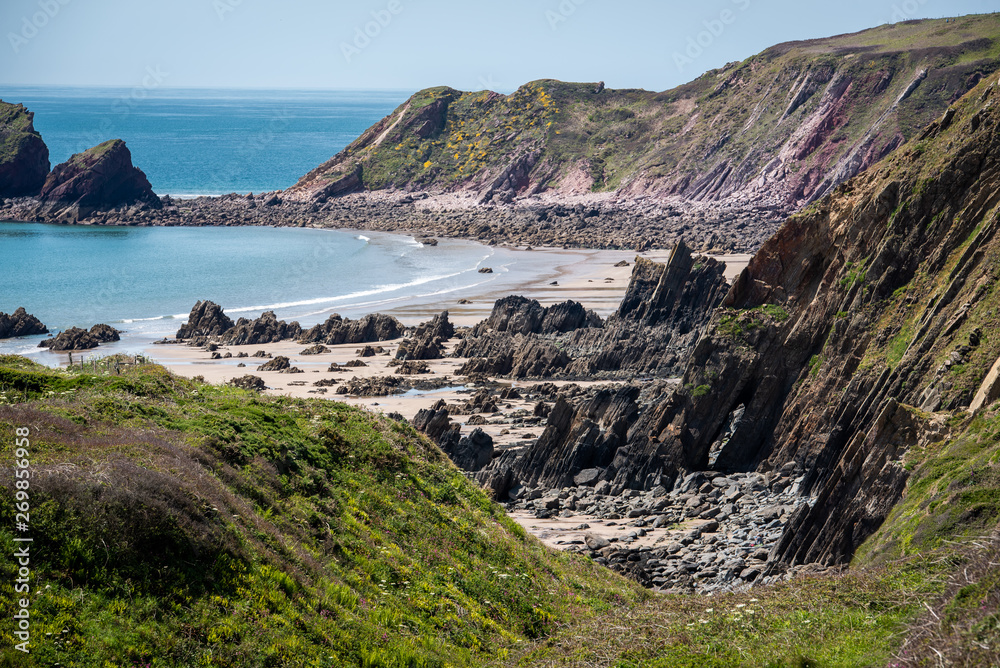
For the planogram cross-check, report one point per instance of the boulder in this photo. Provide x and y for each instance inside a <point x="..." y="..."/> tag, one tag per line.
<point x="20" y="323"/>
<point x="71" y="339"/>
<point x="279" y="363"/>
<point x="248" y="382"/>
<point x="105" y="333"/>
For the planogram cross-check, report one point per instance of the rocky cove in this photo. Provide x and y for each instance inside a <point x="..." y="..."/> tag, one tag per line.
<point x="536" y="405"/>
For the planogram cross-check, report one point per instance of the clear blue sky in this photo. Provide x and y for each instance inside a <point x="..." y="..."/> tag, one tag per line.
<point x="467" y="44"/>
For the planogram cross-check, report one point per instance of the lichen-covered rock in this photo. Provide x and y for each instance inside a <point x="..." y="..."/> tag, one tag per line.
<point x="249" y="382"/>
<point x="374" y="386"/>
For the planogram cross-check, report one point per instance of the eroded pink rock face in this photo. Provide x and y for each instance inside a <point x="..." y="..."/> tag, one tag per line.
<point x="101" y="177"/>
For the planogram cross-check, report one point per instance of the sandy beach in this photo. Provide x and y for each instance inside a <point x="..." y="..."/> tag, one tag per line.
<point x="590" y="277"/>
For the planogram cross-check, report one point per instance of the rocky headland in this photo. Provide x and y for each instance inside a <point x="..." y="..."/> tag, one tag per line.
<point x="24" y="157"/>
<point x="718" y="162"/>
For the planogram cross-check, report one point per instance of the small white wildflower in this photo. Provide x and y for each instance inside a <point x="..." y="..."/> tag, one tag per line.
<point x="703" y="621"/>
<point x="741" y="605"/>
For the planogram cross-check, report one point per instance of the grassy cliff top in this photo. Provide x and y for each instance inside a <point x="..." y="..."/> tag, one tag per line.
<point x="711" y="135"/>
<point x="15" y="128"/>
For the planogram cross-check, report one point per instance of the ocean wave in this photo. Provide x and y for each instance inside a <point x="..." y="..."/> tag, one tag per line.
<point x="382" y="289"/>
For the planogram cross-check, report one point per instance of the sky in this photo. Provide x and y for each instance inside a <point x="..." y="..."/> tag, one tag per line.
<point x="413" y="44"/>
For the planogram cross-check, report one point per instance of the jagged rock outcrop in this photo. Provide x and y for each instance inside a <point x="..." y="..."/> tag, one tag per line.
<point x="336" y="330"/>
<point x="665" y="308"/>
<point x="836" y="328"/>
<point x="206" y="319"/>
<point x="102" y="177"/>
<point x="471" y="453"/>
<point x="20" y="323"/>
<point x="427" y="342"/>
<point x="265" y="329"/>
<point x="519" y="315"/>
<point x="24" y="157"/>
<point x="433" y="421"/>
<point x="582" y="440"/>
<point x="515" y="356"/>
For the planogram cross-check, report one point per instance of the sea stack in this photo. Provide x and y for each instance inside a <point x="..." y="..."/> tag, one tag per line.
<point x="24" y="157"/>
<point x="101" y="177"/>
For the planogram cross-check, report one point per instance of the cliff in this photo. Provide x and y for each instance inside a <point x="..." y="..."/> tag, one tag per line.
<point x="101" y="177"/>
<point x="860" y="331"/>
<point x="24" y="157"/>
<point x="780" y="128"/>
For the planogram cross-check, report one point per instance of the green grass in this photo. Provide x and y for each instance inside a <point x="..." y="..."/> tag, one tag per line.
<point x="201" y="525"/>
<point x="178" y="524"/>
<point x="953" y="493"/>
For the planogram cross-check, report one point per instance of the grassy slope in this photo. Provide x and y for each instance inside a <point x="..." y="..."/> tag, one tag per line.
<point x="733" y="114"/>
<point x="178" y="523"/>
<point x="185" y="524"/>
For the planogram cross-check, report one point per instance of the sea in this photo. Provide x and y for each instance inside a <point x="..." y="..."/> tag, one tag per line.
<point x="145" y="281"/>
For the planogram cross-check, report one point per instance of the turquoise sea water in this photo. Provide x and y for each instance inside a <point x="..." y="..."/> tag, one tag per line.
<point x="145" y="280"/>
<point x="206" y="142"/>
